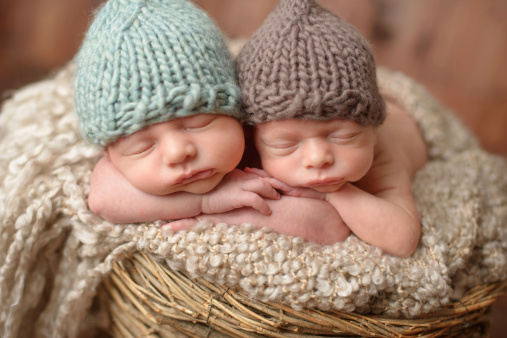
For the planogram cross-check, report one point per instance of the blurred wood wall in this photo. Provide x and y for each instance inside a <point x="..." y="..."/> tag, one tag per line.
<point x="457" y="48"/>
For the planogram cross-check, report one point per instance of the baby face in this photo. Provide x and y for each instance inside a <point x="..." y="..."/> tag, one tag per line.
<point x="322" y="155"/>
<point x="189" y="154"/>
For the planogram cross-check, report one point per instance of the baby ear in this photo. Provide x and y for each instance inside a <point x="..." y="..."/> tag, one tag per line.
<point x="107" y="151"/>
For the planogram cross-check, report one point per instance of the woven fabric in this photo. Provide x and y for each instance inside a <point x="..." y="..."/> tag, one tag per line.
<point x="54" y="252"/>
<point x="149" y="61"/>
<point x="305" y="62"/>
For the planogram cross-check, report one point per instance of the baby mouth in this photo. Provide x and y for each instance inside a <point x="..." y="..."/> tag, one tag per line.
<point x="325" y="182"/>
<point x="194" y="176"/>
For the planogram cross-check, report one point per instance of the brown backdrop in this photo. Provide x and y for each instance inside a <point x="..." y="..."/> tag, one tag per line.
<point x="457" y="48"/>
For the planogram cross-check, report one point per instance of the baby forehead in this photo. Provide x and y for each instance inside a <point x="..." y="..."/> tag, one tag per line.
<point x="307" y="127"/>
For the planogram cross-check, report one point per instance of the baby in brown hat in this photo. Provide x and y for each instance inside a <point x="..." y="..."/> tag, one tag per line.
<point x="309" y="88"/>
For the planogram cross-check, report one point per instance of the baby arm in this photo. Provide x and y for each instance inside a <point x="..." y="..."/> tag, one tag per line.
<point x="113" y="198"/>
<point x="312" y="219"/>
<point x="380" y="208"/>
<point x="388" y="220"/>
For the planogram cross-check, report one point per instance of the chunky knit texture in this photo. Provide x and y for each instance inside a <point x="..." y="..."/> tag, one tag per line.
<point x="149" y="61"/>
<point x="305" y="62"/>
<point x="54" y="252"/>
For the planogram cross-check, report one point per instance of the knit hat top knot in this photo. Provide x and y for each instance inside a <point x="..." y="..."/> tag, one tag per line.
<point x="148" y="61"/>
<point x="306" y="63"/>
<point x="296" y="8"/>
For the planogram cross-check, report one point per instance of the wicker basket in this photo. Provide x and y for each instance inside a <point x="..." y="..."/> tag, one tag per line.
<point x="147" y="299"/>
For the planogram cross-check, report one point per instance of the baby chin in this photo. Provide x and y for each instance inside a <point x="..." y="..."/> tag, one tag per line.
<point x="203" y="186"/>
<point x="327" y="187"/>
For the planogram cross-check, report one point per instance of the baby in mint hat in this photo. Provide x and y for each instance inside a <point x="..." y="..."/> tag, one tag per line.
<point x="156" y="89"/>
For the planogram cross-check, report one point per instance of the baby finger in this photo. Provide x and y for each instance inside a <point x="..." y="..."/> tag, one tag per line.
<point x="257" y="171"/>
<point x="262" y="188"/>
<point x="256" y="202"/>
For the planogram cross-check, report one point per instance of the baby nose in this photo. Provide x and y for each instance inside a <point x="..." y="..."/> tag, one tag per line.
<point x="316" y="154"/>
<point x="177" y="150"/>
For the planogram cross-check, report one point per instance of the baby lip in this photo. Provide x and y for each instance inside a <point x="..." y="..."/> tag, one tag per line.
<point x="327" y="181"/>
<point x="194" y="176"/>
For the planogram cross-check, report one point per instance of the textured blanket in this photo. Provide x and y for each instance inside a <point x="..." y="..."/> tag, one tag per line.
<point x="54" y="253"/>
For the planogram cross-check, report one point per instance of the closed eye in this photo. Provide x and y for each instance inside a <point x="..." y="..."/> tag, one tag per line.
<point x="280" y="142"/>
<point x="343" y="136"/>
<point x="142" y="148"/>
<point x="283" y="145"/>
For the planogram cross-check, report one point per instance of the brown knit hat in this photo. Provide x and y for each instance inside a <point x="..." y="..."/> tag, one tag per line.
<point x="306" y="63"/>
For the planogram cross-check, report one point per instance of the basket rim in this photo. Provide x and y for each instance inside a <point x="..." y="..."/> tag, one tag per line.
<point x="147" y="296"/>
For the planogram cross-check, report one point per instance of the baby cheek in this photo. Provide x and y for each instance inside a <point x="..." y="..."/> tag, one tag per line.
<point x="361" y="165"/>
<point x="228" y="153"/>
<point x="148" y="173"/>
<point x="283" y="169"/>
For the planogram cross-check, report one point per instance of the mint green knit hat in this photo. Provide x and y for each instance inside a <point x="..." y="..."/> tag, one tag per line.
<point x="148" y="61"/>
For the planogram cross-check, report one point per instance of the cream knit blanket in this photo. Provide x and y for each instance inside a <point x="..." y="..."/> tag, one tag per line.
<point x="54" y="253"/>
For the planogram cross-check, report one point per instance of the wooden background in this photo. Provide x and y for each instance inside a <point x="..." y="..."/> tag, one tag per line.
<point x="457" y="48"/>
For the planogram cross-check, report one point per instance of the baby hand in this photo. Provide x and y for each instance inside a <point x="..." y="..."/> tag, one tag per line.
<point x="294" y="191"/>
<point x="181" y="224"/>
<point x="239" y="189"/>
<point x="257" y="171"/>
<point x="285" y="188"/>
